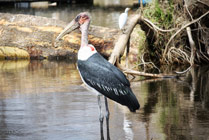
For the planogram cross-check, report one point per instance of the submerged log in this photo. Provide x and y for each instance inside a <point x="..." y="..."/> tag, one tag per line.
<point x="36" y="35"/>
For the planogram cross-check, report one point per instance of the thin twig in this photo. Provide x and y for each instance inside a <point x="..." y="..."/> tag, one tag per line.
<point x="142" y="59"/>
<point x="203" y="3"/>
<point x="188" y="12"/>
<point x="182" y="72"/>
<point x="177" y="52"/>
<point x="129" y="71"/>
<point x="144" y="63"/>
<point x="150" y="63"/>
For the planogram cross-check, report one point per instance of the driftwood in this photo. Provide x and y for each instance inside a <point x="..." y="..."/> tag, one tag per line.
<point x="36" y="35"/>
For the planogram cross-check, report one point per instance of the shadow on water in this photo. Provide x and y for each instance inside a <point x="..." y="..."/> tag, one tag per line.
<point x="180" y="107"/>
<point x="45" y="100"/>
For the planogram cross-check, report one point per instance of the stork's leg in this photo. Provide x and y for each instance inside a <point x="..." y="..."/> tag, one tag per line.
<point x="101" y="118"/>
<point x="107" y="118"/>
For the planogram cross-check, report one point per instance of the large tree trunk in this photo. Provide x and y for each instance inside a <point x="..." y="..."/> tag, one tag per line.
<point x="36" y="36"/>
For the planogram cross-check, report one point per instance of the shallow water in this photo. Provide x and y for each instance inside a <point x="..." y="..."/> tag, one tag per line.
<point x="45" y="100"/>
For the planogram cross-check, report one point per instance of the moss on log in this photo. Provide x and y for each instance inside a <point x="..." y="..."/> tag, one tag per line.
<point x="13" y="53"/>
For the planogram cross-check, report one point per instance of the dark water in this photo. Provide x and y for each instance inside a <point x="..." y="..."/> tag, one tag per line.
<point x="45" y="100"/>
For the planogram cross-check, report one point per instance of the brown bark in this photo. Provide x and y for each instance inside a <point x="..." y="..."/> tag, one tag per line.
<point x="121" y="43"/>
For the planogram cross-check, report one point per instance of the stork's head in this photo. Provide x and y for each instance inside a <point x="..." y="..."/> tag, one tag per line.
<point x="80" y="21"/>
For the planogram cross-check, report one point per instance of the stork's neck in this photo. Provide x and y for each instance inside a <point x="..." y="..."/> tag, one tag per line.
<point x="86" y="50"/>
<point x="84" y="31"/>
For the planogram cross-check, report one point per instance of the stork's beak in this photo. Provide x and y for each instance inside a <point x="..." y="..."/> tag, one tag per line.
<point x="69" y="28"/>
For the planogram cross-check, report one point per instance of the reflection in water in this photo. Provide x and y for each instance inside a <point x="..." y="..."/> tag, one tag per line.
<point x="44" y="100"/>
<point x="127" y="129"/>
<point x="170" y="105"/>
<point x="23" y="77"/>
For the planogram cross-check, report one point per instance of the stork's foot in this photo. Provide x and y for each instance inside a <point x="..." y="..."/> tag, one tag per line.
<point x="107" y="125"/>
<point x="101" y="118"/>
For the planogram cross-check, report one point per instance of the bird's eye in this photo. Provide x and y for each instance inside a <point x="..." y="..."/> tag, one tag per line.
<point x="77" y="18"/>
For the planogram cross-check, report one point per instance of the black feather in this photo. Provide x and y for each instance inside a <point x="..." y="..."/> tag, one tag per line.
<point x="108" y="80"/>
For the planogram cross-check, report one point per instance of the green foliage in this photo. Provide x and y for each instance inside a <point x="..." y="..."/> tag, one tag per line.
<point x="160" y="13"/>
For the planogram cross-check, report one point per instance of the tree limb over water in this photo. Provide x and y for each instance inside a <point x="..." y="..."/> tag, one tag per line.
<point x="169" y="52"/>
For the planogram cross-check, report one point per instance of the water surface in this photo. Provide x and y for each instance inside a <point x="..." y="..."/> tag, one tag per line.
<point x="45" y="100"/>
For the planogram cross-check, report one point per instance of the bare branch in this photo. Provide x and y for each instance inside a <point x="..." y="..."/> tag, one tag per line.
<point x="183" y="27"/>
<point x="177" y="53"/>
<point x="157" y="28"/>
<point x="133" y="72"/>
<point x="203" y="3"/>
<point x="146" y="63"/>
<point x="182" y="72"/>
<point x="123" y="39"/>
<point x="188" y="11"/>
<point x="192" y="45"/>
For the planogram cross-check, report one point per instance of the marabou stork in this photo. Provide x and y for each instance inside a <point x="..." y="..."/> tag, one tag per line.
<point x="123" y="19"/>
<point x="97" y="73"/>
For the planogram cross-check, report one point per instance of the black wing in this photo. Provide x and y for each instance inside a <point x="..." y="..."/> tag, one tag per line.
<point x="107" y="80"/>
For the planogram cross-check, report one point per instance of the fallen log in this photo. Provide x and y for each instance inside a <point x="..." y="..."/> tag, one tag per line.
<point x="36" y="35"/>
